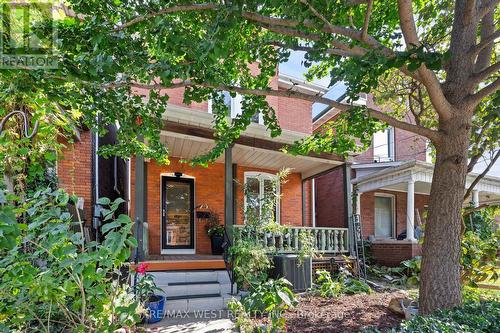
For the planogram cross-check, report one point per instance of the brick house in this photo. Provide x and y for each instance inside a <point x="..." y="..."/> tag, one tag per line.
<point x="390" y="182"/>
<point x="173" y="198"/>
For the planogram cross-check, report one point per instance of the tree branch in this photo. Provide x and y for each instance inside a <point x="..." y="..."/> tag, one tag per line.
<point x="476" y="98"/>
<point x="469" y="13"/>
<point x="330" y="51"/>
<point x="407" y="23"/>
<point x="486" y="7"/>
<point x="427" y="77"/>
<point x="433" y="135"/>
<point x="482" y="174"/>
<point x="487" y="29"/>
<point x="369" y="9"/>
<point x="342" y="107"/>
<point x="481" y="149"/>
<point x="485" y="73"/>
<point x="174" y="9"/>
<point x="484" y="42"/>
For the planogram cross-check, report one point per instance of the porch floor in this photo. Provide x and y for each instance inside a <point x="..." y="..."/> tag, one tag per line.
<point x="183" y="262"/>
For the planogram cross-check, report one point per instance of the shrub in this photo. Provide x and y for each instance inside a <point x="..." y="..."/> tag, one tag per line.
<point x="270" y="298"/>
<point x="473" y="316"/>
<point x="51" y="281"/>
<point x="343" y="284"/>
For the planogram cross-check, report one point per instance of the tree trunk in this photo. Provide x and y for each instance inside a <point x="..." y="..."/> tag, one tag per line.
<point x="440" y="277"/>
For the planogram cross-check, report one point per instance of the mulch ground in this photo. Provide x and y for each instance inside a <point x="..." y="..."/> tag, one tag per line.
<point x="344" y="314"/>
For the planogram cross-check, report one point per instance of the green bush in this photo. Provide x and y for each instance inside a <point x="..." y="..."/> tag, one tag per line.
<point x="408" y="273"/>
<point x="50" y="280"/>
<point x="328" y="287"/>
<point x="271" y="299"/>
<point x="473" y="317"/>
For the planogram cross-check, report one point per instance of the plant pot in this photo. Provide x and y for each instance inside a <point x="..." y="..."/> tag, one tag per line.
<point x="216" y="242"/>
<point x="155" y="308"/>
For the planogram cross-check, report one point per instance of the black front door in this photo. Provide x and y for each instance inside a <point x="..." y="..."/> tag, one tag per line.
<point x="177" y="213"/>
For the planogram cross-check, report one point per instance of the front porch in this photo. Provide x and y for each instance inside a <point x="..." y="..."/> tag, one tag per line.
<point x="174" y="201"/>
<point x="392" y="200"/>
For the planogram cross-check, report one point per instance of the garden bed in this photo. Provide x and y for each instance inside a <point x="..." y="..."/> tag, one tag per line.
<point x="348" y="313"/>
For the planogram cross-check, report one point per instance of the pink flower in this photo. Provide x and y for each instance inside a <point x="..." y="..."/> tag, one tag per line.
<point x="142" y="268"/>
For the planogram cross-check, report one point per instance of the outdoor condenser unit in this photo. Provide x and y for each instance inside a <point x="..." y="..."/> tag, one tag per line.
<point x="287" y="266"/>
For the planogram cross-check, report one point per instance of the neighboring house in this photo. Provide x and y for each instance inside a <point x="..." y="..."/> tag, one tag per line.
<point x="391" y="185"/>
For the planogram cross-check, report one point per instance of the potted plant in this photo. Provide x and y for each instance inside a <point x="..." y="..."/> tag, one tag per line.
<point x="216" y="233"/>
<point x="145" y="289"/>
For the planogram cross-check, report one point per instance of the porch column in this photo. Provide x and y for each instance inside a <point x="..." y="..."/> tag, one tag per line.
<point x="358" y="203"/>
<point x="140" y="205"/>
<point x="410" y="210"/>
<point x="228" y="190"/>
<point x="475" y="198"/>
<point x="348" y="200"/>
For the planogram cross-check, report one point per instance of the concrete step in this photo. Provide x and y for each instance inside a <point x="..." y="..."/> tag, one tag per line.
<point x="197" y="288"/>
<point x="198" y="303"/>
<point x="165" y="278"/>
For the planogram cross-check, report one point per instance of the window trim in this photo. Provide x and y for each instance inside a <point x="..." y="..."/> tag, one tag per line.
<point x="393" y="209"/>
<point x="261" y="176"/>
<point x="390" y="146"/>
<point x="236" y="108"/>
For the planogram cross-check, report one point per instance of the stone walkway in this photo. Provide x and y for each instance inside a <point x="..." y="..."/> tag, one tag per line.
<point x="194" y="323"/>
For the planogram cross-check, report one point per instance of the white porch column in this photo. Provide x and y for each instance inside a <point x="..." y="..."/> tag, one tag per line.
<point x="358" y="204"/>
<point x="410" y="210"/>
<point x="475" y="198"/>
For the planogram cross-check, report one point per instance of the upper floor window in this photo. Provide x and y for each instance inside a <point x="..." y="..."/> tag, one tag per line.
<point x="234" y="106"/>
<point x="262" y="196"/>
<point x="383" y="145"/>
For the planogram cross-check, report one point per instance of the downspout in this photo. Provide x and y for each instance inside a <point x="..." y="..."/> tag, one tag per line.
<point x="313" y="201"/>
<point x="348" y="198"/>
<point x="228" y="192"/>
<point x="96" y="209"/>
<point x="139" y="205"/>
<point x="304" y="210"/>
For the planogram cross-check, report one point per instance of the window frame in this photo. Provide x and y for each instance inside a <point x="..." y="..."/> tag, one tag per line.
<point x="390" y="146"/>
<point x="393" y="214"/>
<point x="261" y="176"/>
<point x="236" y="108"/>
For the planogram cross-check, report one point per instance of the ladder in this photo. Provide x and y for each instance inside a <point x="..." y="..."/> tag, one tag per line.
<point x="359" y="248"/>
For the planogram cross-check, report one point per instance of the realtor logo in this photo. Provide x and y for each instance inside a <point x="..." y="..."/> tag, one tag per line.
<point x="28" y="35"/>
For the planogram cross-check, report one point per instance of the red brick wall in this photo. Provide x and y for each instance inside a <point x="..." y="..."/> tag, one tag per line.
<point x="74" y="168"/>
<point x="392" y="253"/>
<point x="295" y="115"/>
<point x="330" y="199"/>
<point x="209" y="189"/>
<point x="368" y="210"/>
<point x="292" y="114"/>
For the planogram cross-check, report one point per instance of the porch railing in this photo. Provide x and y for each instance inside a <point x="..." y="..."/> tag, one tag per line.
<point x="327" y="240"/>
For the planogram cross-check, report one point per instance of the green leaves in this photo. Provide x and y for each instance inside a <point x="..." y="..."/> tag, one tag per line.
<point x="73" y="284"/>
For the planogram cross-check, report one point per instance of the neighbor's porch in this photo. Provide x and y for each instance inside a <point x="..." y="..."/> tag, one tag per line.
<point x="393" y="202"/>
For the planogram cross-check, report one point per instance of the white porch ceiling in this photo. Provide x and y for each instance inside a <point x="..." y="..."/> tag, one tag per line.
<point x="186" y="147"/>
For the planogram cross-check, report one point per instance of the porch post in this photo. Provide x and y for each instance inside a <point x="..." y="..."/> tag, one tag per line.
<point x="228" y="190"/>
<point x="475" y="198"/>
<point x="410" y="210"/>
<point x="358" y="203"/>
<point x="139" y="201"/>
<point x="348" y="198"/>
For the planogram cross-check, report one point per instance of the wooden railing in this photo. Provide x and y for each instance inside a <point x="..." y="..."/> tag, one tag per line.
<point x="327" y="240"/>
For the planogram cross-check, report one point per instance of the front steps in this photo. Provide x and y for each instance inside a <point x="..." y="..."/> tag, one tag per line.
<point x="191" y="291"/>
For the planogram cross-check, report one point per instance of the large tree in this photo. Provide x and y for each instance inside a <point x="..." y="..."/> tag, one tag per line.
<point x="442" y="54"/>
